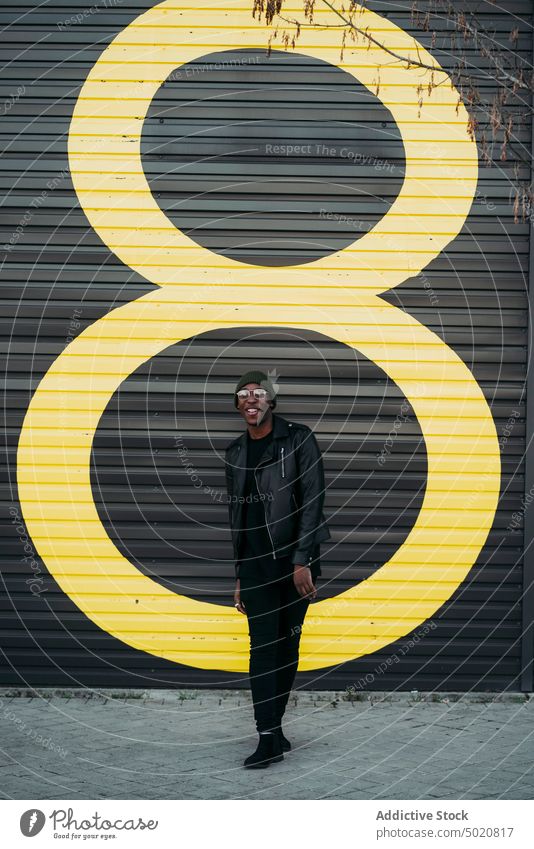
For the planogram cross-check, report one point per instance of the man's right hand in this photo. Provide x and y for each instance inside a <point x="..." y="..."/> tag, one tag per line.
<point x="303" y="581"/>
<point x="237" y="598"/>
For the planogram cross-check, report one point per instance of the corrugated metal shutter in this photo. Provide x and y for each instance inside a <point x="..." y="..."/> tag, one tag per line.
<point x="207" y="157"/>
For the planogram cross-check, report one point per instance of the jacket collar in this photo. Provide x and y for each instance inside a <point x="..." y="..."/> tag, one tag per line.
<point x="280" y="430"/>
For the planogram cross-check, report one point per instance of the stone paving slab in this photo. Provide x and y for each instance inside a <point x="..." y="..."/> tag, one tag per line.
<point x="190" y="744"/>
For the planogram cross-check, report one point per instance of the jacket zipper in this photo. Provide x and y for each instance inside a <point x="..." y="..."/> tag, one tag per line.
<point x="283" y="470"/>
<point x="265" y="514"/>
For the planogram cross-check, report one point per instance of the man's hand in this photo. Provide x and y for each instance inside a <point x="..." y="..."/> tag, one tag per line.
<point x="303" y="582"/>
<point x="237" y="597"/>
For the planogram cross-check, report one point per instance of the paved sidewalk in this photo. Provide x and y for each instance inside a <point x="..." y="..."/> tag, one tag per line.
<point x="162" y="744"/>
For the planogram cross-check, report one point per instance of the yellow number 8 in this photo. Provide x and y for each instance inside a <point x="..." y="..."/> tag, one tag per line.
<point x="198" y="291"/>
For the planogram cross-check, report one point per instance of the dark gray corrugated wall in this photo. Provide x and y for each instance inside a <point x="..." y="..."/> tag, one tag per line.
<point x="215" y="151"/>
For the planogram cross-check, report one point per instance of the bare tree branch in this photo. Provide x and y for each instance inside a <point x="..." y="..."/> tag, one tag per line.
<point x="513" y="80"/>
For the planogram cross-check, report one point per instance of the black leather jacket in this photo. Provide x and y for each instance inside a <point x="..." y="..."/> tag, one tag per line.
<point x="290" y="474"/>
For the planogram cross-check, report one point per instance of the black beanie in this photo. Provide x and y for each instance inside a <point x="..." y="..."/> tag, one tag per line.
<point x="256" y="377"/>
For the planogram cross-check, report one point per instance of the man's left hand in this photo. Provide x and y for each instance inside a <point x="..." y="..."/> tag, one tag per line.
<point x="302" y="579"/>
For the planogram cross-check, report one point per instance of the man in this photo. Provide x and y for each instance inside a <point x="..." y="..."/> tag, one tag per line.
<point x="275" y="482"/>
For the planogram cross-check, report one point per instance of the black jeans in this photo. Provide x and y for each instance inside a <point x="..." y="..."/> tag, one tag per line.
<point x="275" y="613"/>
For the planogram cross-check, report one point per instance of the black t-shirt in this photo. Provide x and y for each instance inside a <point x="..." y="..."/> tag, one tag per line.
<point x="256" y="543"/>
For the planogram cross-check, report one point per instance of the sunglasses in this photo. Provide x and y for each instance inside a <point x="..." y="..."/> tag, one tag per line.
<point x="259" y="394"/>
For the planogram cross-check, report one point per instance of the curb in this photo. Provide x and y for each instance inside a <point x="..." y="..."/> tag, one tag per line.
<point x="302" y="697"/>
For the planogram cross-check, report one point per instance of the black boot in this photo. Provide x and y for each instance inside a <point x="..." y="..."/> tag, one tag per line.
<point x="284" y="742"/>
<point x="269" y="751"/>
